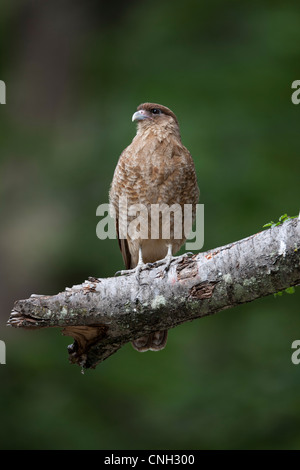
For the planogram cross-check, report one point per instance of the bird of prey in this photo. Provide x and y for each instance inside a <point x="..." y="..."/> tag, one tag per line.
<point x="154" y="169"/>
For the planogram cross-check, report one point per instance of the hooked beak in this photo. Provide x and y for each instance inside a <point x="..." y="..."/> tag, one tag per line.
<point x="140" y="115"/>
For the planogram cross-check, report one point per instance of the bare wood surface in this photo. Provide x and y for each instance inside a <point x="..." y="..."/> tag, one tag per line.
<point x="104" y="314"/>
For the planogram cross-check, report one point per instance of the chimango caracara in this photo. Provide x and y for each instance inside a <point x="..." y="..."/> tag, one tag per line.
<point x="154" y="170"/>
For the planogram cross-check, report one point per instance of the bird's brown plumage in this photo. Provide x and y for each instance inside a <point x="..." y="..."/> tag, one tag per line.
<point x="154" y="169"/>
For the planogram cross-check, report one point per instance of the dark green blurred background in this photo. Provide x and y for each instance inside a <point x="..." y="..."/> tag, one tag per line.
<point x="75" y="72"/>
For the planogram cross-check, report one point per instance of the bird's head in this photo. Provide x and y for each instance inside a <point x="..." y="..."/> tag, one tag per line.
<point x="152" y="114"/>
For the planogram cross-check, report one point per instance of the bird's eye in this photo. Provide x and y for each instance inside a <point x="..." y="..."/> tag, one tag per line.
<point x="155" y="111"/>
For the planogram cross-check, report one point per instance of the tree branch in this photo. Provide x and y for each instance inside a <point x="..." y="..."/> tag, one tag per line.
<point x="104" y="314"/>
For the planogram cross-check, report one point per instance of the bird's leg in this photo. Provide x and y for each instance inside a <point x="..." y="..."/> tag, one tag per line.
<point x="123" y="272"/>
<point x="168" y="258"/>
<point x="138" y="268"/>
<point x="185" y="255"/>
<point x="140" y="265"/>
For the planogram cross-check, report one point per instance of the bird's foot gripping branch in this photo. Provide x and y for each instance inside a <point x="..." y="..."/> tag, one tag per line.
<point x="104" y="314"/>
